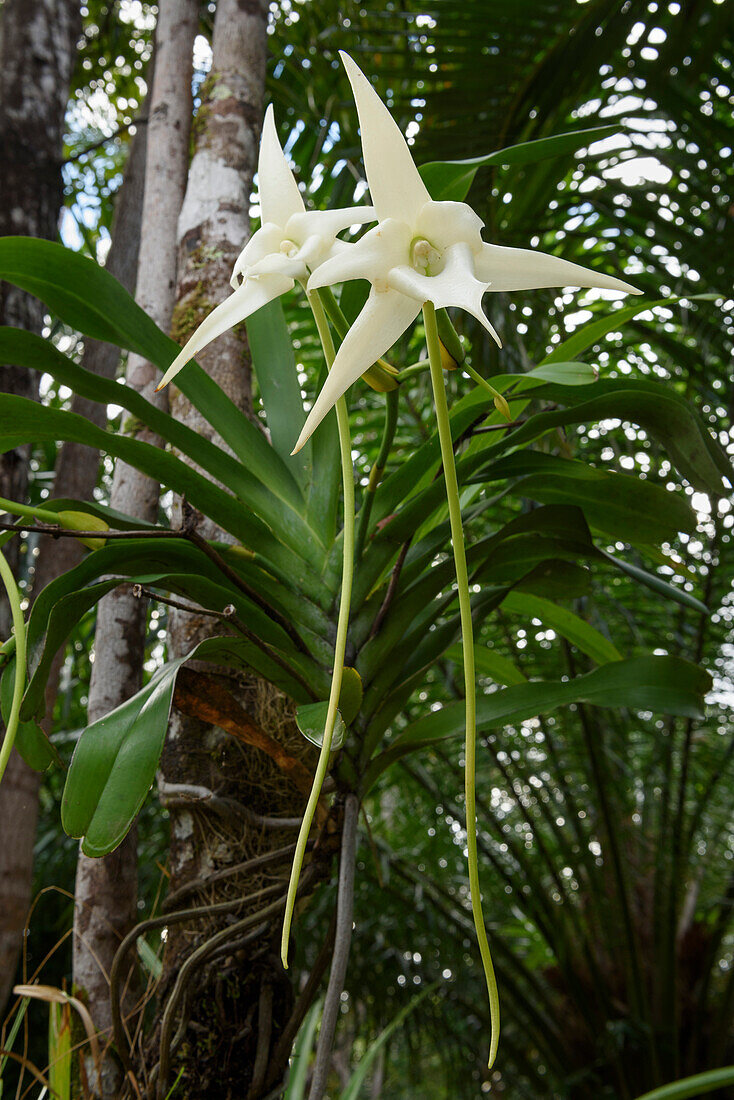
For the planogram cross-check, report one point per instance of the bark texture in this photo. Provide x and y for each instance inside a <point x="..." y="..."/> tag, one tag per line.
<point x="106" y="889"/>
<point x="37" y="51"/>
<point x="221" y="1020"/>
<point x="76" y="477"/>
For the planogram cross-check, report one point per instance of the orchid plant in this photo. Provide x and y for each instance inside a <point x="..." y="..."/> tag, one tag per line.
<point x="300" y="596"/>
<point x="421" y="255"/>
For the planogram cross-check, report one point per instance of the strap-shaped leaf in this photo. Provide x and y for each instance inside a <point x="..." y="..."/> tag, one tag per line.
<point x="595" y="331"/>
<point x="25" y="421"/>
<point x="664" y="415"/>
<point x="620" y="505"/>
<point x="89" y="299"/>
<point x="491" y="663"/>
<point x="115" y="760"/>
<point x="664" y="685"/>
<point x="323" y="497"/>
<point x="275" y="368"/>
<point x="30" y="740"/>
<point x="451" y="179"/>
<point x="25" y="349"/>
<point x="169" y="566"/>
<point x="571" y="626"/>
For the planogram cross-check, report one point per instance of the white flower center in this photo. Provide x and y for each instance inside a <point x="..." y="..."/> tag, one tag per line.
<point x="289" y="248"/>
<point x="425" y="259"/>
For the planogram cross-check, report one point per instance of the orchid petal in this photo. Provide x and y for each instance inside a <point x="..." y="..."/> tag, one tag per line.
<point x="263" y="242"/>
<point x="279" y="194"/>
<point x="246" y="299"/>
<point x="278" y="263"/>
<point x="381" y="248"/>
<point x="327" y="223"/>
<point x="526" y="269"/>
<point x="444" y="223"/>
<point x="395" y="184"/>
<point x="384" y="318"/>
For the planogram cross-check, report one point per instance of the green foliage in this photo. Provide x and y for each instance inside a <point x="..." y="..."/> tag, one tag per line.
<point x="615" y="921"/>
<point x="698" y="1085"/>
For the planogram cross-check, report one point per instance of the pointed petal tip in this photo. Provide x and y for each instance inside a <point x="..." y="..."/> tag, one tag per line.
<point x="300" y="442"/>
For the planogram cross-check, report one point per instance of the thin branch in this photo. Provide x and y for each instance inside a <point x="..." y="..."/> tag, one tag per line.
<point x="189" y="535"/>
<point x="391" y="589"/>
<point x="57" y="532"/>
<point x="227" y="616"/>
<point x="342" y="943"/>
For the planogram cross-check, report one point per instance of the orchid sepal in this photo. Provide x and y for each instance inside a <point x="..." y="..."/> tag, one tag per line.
<point x="421" y="249"/>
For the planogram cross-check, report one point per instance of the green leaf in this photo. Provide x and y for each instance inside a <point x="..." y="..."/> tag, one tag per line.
<point x="573" y="628"/>
<point x="556" y="579"/>
<point x="357" y="1080"/>
<point x="323" y="499"/>
<point x="664" y="685"/>
<point x="311" y="721"/>
<point x="114" y="765"/>
<point x="115" y="760"/>
<point x="298" y="1073"/>
<point x="694" y="1086"/>
<point x="89" y="299"/>
<point x="48" y="628"/>
<point x="262" y="492"/>
<point x="275" y="367"/>
<point x="168" y="565"/>
<point x="30" y="740"/>
<point x="451" y="180"/>
<point x="595" y="331"/>
<point x="59" y="1050"/>
<point x="24" y="421"/>
<point x="656" y="584"/>
<point x="620" y="505"/>
<point x="563" y="374"/>
<point x="663" y="414"/>
<point x="490" y="663"/>
<point x="350" y="696"/>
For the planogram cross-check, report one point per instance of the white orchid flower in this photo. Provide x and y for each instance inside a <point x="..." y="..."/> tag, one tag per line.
<point x="290" y="242"/>
<point x="419" y="251"/>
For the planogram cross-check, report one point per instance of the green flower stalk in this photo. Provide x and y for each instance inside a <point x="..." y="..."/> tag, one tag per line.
<point x="345" y="449"/>
<point x="467" y="642"/>
<point x="6" y="574"/>
<point x="430" y="255"/>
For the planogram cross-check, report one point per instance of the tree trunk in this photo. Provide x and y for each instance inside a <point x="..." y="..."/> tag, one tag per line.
<point x="106" y="889"/>
<point x="221" y="1021"/>
<point x="37" y="52"/>
<point x="76" y="477"/>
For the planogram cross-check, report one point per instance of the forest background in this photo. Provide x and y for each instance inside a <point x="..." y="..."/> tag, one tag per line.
<point x="605" y="834"/>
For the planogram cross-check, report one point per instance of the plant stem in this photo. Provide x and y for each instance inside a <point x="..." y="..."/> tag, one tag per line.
<point x="467" y="641"/>
<point x="19" y="627"/>
<point x="345" y="448"/>
<point x="30" y="512"/>
<point x="391" y="421"/>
